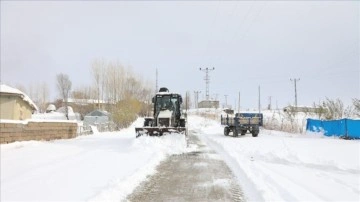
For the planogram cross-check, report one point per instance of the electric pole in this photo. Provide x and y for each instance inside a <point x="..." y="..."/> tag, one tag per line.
<point x="196" y="94"/>
<point x="207" y="79"/>
<point x="269" y="106"/>
<point x="259" y="102"/>
<point x="295" y="80"/>
<point x="156" y="85"/>
<point x="225" y="101"/>
<point x="239" y="103"/>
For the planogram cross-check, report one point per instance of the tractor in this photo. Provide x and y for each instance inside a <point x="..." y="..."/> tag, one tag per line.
<point x="167" y="115"/>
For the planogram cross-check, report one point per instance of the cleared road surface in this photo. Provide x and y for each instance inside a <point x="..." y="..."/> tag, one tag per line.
<point x="199" y="175"/>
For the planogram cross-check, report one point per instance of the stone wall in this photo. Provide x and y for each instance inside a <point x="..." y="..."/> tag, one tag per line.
<point x="11" y="132"/>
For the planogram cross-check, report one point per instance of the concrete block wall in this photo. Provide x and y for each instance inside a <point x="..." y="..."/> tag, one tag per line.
<point x="11" y="132"/>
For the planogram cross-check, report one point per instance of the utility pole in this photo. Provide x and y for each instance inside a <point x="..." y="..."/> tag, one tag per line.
<point x="187" y="100"/>
<point x="156" y="85"/>
<point x="259" y="102"/>
<point x="207" y="79"/>
<point x="269" y="106"/>
<point x="196" y="95"/>
<point x="225" y="101"/>
<point x="216" y="96"/>
<point x="295" y="89"/>
<point x="239" y="103"/>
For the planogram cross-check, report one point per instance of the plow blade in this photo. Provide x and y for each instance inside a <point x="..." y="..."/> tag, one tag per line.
<point x="158" y="131"/>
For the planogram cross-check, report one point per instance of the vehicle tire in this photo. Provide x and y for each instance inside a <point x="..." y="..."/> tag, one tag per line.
<point x="182" y="123"/>
<point x="235" y="132"/>
<point x="255" y="131"/>
<point x="243" y="132"/>
<point x="226" y="131"/>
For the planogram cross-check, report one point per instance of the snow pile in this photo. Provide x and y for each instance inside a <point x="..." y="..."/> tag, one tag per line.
<point x="55" y="116"/>
<point x="100" y="167"/>
<point x="278" y="166"/>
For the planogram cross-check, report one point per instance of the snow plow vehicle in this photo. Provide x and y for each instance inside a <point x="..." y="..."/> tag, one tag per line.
<point x="241" y="123"/>
<point x="167" y="116"/>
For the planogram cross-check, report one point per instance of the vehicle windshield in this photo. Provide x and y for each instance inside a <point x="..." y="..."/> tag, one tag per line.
<point x="167" y="102"/>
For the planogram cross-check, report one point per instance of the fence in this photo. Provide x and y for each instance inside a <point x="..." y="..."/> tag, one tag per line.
<point x="32" y="130"/>
<point x="346" y="128"/>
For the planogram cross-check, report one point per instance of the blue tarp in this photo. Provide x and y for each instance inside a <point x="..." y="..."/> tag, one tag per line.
<point x="347" y="128"/>
<point x="353" y="128"/>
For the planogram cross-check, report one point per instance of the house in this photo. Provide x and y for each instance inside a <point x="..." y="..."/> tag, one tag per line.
<point x="14" y="104"/>
<point x="97" y="117"/>
<point x="208" y="104"/>
<point x="305" y="109"/>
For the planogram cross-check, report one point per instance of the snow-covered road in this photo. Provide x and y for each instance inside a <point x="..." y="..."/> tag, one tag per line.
<point x="107" y="167"/>
<point x="278" y="166"/>
<point x="198" y="175"/>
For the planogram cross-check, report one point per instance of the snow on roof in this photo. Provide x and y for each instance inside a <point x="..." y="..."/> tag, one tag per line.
<point x="166" y="93"/>
<point x="98" y="113"/>
<point x="88" y="101"/>
<point x="7" y="89"/>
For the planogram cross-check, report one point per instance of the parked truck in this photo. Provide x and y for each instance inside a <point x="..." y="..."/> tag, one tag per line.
<point x="241" y="123"/>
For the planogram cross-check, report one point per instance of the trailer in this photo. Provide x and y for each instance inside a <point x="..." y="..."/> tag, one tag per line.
<point x="241" y="123"/>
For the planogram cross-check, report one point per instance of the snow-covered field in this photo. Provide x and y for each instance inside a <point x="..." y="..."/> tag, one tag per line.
<point x="275" y="166"/>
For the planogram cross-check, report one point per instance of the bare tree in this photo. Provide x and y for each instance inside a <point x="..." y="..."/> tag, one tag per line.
<point x="43" y="96"/>
<point x="81" y="96"/>
<point x="98" y="67"/>
<point x="356" y="103"/>
<point x="320" y="110"/>
<point x="64" y="87"/>
<point x="334" y="109"/>
<point x="119" y="87"/>
<point x="39" y="94"/>
<point x="349" y="111"/>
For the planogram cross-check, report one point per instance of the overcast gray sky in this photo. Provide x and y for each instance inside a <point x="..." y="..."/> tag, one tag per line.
<point x="248" y="43"/>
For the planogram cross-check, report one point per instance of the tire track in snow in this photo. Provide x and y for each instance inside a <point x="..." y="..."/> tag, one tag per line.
<point x="194" y="176"/>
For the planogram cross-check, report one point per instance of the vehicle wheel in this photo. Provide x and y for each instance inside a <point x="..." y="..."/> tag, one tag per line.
<point x="236" y="132"/>
<point x="243" y="132"/>
<point x="182" y="123"/>
<point x="226" y="131"/>
<point x="255" y="133"/>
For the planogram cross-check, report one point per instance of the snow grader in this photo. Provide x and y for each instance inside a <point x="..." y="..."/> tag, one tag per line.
<point x="167" y="116"/>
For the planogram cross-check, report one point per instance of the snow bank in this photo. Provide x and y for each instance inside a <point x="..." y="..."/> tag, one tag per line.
<point x="278" y="166"/>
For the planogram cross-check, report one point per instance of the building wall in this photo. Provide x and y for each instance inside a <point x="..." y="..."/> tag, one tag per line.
<point x="14" y="108"/>
<point x="11" y="132"/>
<point x="208" y="104"/>
<point x="92" y="120"/>
<point x="7" y="107"/>
<point x="23" y="110"/>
